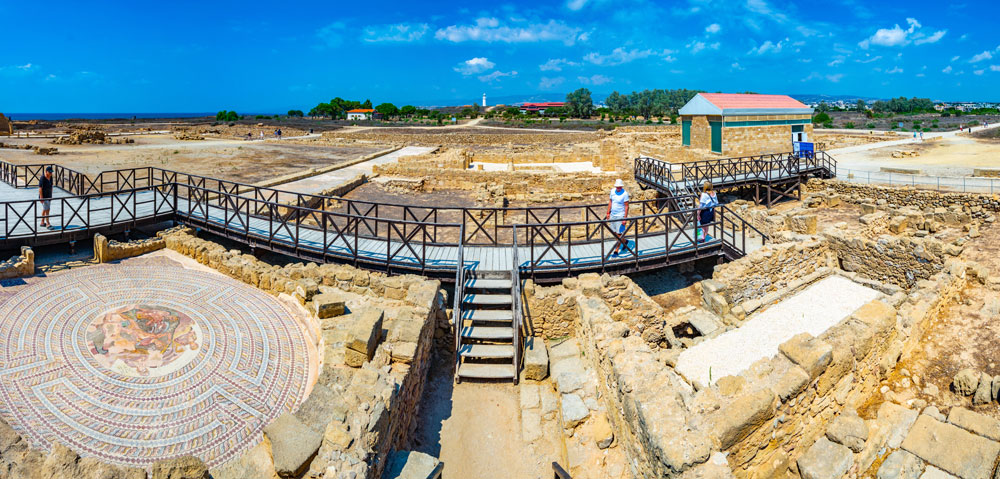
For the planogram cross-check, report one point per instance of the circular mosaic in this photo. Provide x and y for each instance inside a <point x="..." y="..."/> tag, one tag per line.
<point x="142" y="340"/>
<point x="136" y="363"/>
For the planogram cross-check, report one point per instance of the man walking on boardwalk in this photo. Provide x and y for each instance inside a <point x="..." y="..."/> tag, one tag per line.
<point x="45" y="194"/>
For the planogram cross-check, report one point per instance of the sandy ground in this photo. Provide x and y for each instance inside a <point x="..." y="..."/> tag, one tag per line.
<point x="475" y="429"/>
<point x="236" y="160"/>
<point x="949" y="156"/>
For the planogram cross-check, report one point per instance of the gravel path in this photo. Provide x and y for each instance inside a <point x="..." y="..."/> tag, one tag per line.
<point x="813" y="311"/>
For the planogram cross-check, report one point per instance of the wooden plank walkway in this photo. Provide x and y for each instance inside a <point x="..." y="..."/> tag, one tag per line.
<point x="71" y="213"/>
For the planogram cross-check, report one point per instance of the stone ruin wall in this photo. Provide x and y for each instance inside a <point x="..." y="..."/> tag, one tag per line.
<point x="19" y="266"/>
<point x="6" y="126"/>
<point x="364" y="404"/>
<point x="106" y="250"/>
<point x="973" y="203"/>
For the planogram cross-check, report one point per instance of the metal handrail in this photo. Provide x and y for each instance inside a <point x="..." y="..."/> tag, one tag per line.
<point x="559" y="472"/>
<point x="457" y="310"/>
<point x="515" y="277"/>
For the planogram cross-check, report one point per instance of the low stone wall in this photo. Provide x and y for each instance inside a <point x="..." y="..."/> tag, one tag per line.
<point x="973" y="203"/>
<point x="897" y="260"/>
<point x="375" y="358"/>
<point x="19" y="266"/>
<point x="109" y="250"/>
<point x="740" y="287"/>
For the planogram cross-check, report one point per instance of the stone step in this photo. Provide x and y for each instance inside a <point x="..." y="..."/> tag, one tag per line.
<point x="492" y="351"/>
<point x="486" y="371"/>
<point x="475" y="283"/>
<point x="490" y="333"/>
<point x="488" y="315"/>
<point x="487" y="299"/>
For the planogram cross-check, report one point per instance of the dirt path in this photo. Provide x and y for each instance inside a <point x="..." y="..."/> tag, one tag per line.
<point x="475" y="429"/>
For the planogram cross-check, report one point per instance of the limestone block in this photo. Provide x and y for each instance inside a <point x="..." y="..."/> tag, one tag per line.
<point x="536" y="359"/>
<point x="971" y="421"/>
<point x="934" y="473"/>
<point x="951" y="448"/>
<point x="187" y="467"/>
<point x="983" y="390"/>
<point x="808" y="352"/>
<point x="901" y="465"/>
<point x="966" y="381"/>
<point x="850" y="430"/>
<point x="293" y="445"/>
<point x="411" y="465"/>
<point x="573" y="410"/>
<point x="802" y="224"/>
<point x="791" y="383"/>
<point x="404" y="352"/>
<point x="878" y="315"/>
<point x="825" y="460"/>
<point x="897" y="224"/>
<point x="327" y="305"/>
<point x="363" y="337"/>
<point x="305" y="289"/>
<point x="742" y="416"/>
<point x="336" y="436"/>
<point x="254" y="463"/>
<point x="316" y="411"/>
<point x="531" y="425"/>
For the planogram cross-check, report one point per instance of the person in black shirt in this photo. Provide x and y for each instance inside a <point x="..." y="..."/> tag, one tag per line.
<point x="45" y="194"/>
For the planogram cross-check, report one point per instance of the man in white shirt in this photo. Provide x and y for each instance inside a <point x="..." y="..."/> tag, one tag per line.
<point x="618" y="210"/>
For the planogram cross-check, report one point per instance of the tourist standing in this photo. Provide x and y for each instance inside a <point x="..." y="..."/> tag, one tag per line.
<point x="45" y="194"/>
<point x="921" y="136"/>
<point x="618" y="210"/>
<point x="279" y="133"/>
<point x="261" y="135"/>
<point x="706" y="210"/>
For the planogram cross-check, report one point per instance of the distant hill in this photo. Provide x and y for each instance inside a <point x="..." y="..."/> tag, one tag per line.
<point x="816" y="98"/>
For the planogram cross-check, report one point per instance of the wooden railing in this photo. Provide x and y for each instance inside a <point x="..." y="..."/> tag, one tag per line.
<point x="733" y="171"/>
<point x="363" y="233"/>
<point x="457" y="309"/>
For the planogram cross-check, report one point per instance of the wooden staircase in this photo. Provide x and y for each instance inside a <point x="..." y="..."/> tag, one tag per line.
<point x="487" y="338"/>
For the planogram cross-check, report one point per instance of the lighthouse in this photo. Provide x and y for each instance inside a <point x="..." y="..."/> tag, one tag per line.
<point x="484" y="100"/>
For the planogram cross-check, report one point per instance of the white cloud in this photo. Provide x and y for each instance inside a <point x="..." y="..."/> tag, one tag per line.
<point x="761" y="7"/>
<point x="897" y="37"/>
<point x="594" y="80"/>
<point x="737" y="66"/>
<point x="401" y="32"/>
<point x="979" y="72"/>
<point x="835" y="77"/>
<point x="496" y="76"/>
<point x="995" y="68"/>
<point x="490" y="30"/>
<point x="549" y="83"/>
<point x="331" y="35"/>
<point x="474" y="66"/>
<point x="986" y="55"/>
<point x="620" y="56"/>
<point x="931" y="39"/>
<point x="713" y="28"/>
<point x="575" y="4"/>
<point x="894" y="70"/>
<point x="869" y="60"/>
<point x="768" y="47"/>
<point x="954" y="58"/>
<point x="835" y="62"/>
<point x="806" y="31"/>
<point x="947" y="69"/>
<point x="557" y="64"/>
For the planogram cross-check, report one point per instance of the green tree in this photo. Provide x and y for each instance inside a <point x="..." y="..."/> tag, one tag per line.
<point x="367" y="105"/>
<point x="408" y="110"/>
<point x="861" y="106"/>
<point x="296" y="113"/>
<point x="579" y="103"/>
<point x="232" y="116"/>
<point x="388" y="110"/>
<point x="220" y="116"/>
<point x="821" y="117"/>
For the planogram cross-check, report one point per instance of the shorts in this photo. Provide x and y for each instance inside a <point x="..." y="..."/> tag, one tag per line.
<point x="621" y="227"/>
<point x="46" y="205"/>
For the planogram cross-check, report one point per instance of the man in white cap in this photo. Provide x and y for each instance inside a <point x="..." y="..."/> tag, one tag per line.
<point x="618" y="210"/>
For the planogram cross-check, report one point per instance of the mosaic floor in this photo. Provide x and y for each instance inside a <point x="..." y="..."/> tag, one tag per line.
<point x="133" y="363"/>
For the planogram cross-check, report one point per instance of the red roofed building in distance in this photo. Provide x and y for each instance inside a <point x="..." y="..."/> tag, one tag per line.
<point x="740" y="124"/>
<point x="360" y="114"/>
<point x="540" y="107"/>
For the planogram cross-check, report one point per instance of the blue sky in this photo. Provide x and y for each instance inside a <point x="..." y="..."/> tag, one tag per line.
<point x="273" y="56"/>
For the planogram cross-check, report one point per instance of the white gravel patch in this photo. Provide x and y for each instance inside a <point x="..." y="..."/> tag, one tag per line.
<point x="813" y="311"/>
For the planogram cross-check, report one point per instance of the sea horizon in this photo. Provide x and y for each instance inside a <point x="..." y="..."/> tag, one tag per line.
<point x="104" y="116"/>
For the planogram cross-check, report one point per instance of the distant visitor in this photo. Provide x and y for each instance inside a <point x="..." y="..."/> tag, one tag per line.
<point x="706" y="204"/>
<point x="45" y="194"/>
<point x="618" y="210"/>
